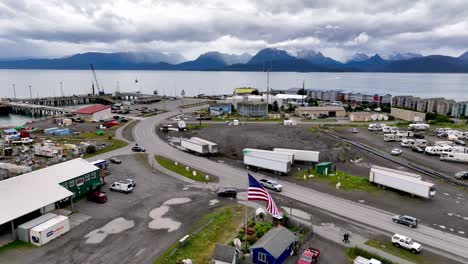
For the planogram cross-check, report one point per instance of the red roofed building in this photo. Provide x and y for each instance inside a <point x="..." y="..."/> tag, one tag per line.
<point x="94" y="113"/>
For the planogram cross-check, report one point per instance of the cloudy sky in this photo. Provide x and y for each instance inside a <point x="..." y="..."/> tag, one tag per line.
<point x="54" y="28"/>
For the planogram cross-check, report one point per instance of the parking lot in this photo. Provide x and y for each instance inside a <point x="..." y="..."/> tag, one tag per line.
<point x="129" y="228"/>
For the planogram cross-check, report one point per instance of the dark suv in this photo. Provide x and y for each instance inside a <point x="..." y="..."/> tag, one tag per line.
<point x="462" y="175"/>
<point x="406" y="220"/>
<point x="227" y="192"/>
<point x="138" y="149"/>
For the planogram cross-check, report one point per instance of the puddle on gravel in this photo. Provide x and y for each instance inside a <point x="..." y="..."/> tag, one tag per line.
<point x="297" y="213"/>
<point x="160" y="222"/>
<point x="115" y="226"/>
<point x="214" y="201"/>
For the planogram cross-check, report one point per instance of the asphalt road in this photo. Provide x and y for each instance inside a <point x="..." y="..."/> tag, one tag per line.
<point x="437" y="241"/>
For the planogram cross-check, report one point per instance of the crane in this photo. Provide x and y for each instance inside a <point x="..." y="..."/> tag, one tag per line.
<point x="101" y="92"/>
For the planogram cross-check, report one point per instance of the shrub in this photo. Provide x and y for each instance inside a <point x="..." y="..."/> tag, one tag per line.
<point x="90" y="149"/>
<point x="261" y="228"/>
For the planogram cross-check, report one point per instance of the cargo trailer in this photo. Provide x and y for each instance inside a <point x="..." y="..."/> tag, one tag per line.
<point x="258" y="160"/>
<point x="49" y="230"/>
<point x="271" y="154"/>
<point x="194" y="146"/>
<point x="212" y="147"/>
<point x="24" y="229"/>
<point x="307" y="156"/>
<point x="403" y="181"/>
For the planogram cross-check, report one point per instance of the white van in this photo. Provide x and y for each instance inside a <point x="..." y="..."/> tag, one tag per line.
<point x="122" y="186"/>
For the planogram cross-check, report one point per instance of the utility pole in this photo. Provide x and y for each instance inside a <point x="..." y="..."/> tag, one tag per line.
<point x="61" y="89"/>
<point x="30" y="92"/>
<point x="268" y="87"/>
<point x="303" y="92"/>
<point x="14" y="91"/>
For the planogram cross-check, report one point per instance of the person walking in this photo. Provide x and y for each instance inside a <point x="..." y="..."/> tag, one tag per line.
<point x="347" y="238"/>
<point x="344" y="238"/>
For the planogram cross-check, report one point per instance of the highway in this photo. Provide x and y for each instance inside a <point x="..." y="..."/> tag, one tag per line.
<point x="437" y="241"/>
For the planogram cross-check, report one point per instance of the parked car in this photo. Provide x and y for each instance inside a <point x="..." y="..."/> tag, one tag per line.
<point x="270" y="184"/>
<point x="129" y="181"/>
<point x="354" y="130"/>
<point x="418" y="136"/>
<point x="459" y="142"/>
<point x="97" y="196"/>
<point x="119" y="186"/>
<point x="406" y="243"/>
<point x="461" y="175"/>
<point x="406" y="220"/>
<point x="227" y="192"/>
<point x="115" y="160"/>
<point x="309" y="256"/>
<point x="396" y="152"/>
<point x="417" y="149"/>
<point x="138" y="149"/>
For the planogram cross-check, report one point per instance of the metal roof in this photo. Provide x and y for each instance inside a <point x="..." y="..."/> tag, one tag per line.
<point x="321" y="108"/>
<point x="91" y="109"/>
<point x="224" y="253"/>
<point x="26" y="193"/>
<point x="275" y="241"/>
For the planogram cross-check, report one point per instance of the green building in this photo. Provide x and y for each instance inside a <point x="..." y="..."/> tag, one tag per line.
<point x="78" y="176"/>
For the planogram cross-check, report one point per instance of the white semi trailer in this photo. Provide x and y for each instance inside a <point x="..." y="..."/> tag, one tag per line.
<point x="403" y="181"/>
<point x="307" y="156"/>
<point x="49" y="230"/>
<point x="275" y="164"/>
<point x="212" y="147"/>
<point x="194" y="146"/>
<point x="271" y="154"/>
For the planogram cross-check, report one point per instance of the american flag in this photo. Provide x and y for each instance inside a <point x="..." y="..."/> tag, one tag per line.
<point x="257" y="192"/>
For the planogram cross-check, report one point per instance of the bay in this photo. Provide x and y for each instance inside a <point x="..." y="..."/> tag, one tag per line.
<point x="47" y="82"/>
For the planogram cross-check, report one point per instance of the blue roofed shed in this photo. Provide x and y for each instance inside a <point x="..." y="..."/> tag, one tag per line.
<point x="274" y="247"/>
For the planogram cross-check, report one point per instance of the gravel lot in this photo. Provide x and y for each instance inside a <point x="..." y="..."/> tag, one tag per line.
<point x="120" y="231"/>
<point x="447" y="211"/>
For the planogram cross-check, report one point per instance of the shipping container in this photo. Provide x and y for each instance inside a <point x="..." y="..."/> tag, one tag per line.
<point x="24" y="229"/>
<point x="307" y="156"/>
<point x="257" y="160"/>
<point x="49" y="230"/>
<point x="400" y="180"/>
<point x="213" y="147"/>
<point x="194" y="146"/>
<point x="271" y="154"/>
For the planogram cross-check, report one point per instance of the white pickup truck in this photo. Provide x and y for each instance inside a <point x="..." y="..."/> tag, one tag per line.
<point x="23" y="141"/>
<point x="271" y="185"/>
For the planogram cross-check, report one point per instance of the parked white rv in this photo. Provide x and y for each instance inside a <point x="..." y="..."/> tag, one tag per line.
<point x="407" y="142"/>
<point x="422" y="143"/>
<point x="389" y="137"/>
<point x="49" y="230"/>
<point x="455" y="157"/>
<point x="418" y="126"/>
<point x="443" y="143"/>
<point x="307" y="156"/>
<point x="401" y="180"/>
<point x="212" y="147"/>
<point x="437" y="150"/>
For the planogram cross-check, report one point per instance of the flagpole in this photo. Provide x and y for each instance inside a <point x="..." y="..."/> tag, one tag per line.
<point x="246" y="222"/>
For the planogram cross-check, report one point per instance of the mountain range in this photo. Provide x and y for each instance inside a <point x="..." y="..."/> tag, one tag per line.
<point x="267" y="59"/>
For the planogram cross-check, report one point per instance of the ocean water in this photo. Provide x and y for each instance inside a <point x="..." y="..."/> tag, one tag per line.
<point x="47" y="82"/>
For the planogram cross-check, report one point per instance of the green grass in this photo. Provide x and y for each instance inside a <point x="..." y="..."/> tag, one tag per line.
<point x="353" y="252"/>
<point x="348" y="181"/>
<point x="399" y="252"/>
<point x="321" y="120"/>
<point x="181" y="170"/>
<point x="196" y="126"/>
<point x="449" y="125"/>
<point x="15" y="245"/>
<point x="200" y="246"/>
<point x="114" y="144"/>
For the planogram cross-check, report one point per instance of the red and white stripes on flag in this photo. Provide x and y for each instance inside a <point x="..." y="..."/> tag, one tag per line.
<point x="257" y="192"/>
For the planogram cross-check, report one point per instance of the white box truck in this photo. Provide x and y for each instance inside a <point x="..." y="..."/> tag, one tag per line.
<point x="258" y="160"/>
<point x="455" y="157"/>
<point x="403" y="181"/>
<point x="194" y="146"/>
<point x="49" y="230"/>
<point x="24" y="229"/>
<point x="212" y="147"/>
<point x="271" y="154"/>
<point x="307" y="156"/>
